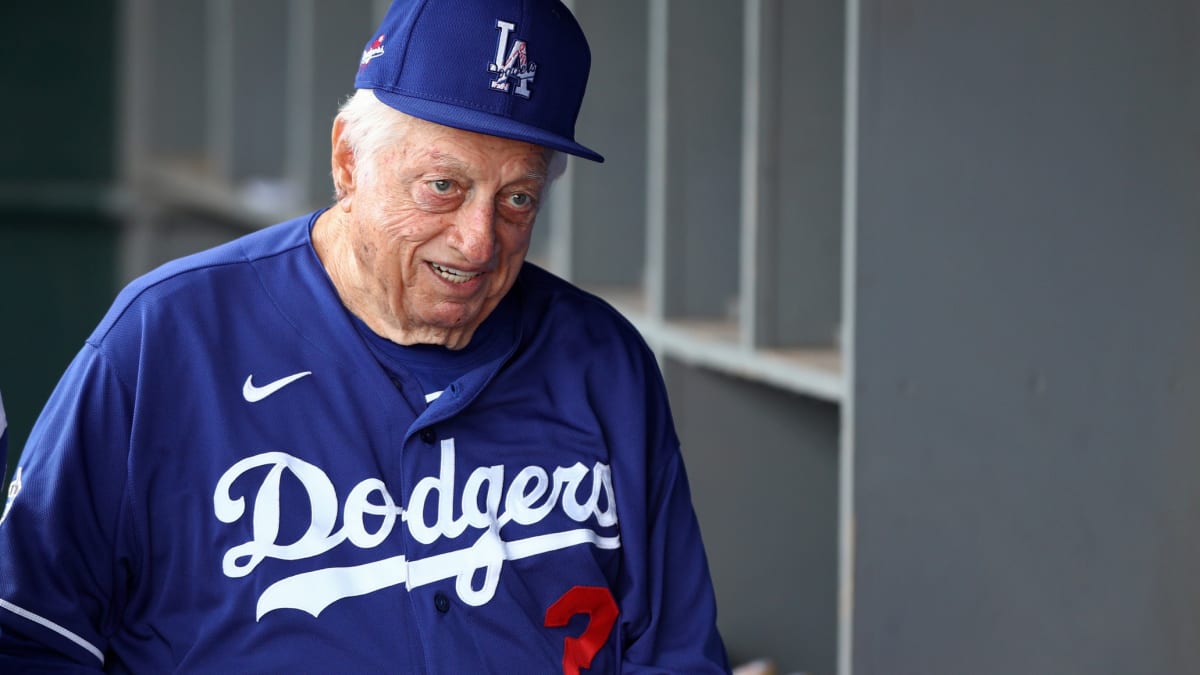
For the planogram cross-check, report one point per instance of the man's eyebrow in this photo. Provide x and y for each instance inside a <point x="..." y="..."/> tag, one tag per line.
<point x="449" y="162"/>
<point x="446" y="161"/>
<point x="540" y="172"/>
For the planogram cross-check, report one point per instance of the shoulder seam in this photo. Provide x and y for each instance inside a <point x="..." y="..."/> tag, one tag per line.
<point x="109" y="323"/>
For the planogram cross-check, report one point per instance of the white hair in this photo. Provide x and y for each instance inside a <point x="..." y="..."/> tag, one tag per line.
<point x="371" y="125"/>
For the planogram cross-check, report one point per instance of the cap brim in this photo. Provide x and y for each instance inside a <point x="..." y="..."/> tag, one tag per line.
<point x="482" y="122"/>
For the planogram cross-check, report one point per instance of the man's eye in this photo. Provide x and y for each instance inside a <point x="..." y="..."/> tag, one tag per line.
<point x="441" y="186"/>
<point x="520" y="200"/>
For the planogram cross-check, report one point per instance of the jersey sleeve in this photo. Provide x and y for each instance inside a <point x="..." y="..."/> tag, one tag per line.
<point x="678" y="633"/>
<point x="668" y="598"/>
<point x="61" y="568"/>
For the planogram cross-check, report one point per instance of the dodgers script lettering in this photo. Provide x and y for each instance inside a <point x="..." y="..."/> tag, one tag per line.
<point x="529" y="498"/>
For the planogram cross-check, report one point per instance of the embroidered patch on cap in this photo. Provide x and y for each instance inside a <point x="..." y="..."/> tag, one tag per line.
<point x="516" y="66"/>
<point x="376" y="49"/>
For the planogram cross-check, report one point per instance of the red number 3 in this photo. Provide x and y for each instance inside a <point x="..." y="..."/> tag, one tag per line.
<point x="598" y="603"/>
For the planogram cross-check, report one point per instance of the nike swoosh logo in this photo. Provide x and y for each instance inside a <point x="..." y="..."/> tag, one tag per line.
<point x="254" y="394"/>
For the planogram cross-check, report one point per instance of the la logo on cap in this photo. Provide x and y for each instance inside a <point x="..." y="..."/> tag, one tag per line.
<point x="516" y="66"/>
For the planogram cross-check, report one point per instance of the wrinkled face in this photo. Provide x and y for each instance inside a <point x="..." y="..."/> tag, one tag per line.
<point x="440" y="226"/>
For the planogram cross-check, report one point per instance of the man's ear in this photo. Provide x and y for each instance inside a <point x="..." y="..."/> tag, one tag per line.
<point x="342" y="160"/>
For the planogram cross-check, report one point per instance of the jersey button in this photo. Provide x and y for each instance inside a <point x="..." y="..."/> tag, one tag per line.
<point x="441" y="602"/>
<point x="428" y="435"/>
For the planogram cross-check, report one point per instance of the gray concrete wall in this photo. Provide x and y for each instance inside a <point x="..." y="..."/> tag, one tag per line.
<point x="763" y="466"/>
<point x="1027" y="493"/>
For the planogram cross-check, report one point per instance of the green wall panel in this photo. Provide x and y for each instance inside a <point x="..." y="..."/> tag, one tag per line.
<point x="56" y="281"/>
<point x="57" y="166"/>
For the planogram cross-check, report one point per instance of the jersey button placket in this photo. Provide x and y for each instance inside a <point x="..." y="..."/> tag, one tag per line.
<point x="441" y="602"/>
<point x="428" y="435"/>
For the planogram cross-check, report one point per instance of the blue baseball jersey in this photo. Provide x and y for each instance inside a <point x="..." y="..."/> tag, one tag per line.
<point x="226" y="480"/>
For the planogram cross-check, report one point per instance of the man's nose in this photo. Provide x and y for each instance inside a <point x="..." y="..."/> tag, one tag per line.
<point x="476" y="231"/>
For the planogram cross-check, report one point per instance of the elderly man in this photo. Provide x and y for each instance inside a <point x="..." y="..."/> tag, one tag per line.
<point x="373" y="439"/>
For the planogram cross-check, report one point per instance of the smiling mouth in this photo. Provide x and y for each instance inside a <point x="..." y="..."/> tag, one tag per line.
<point x="452" y="275"/>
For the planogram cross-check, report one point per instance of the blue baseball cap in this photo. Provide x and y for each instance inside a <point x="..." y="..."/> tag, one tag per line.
<point x="510" y="68"/>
